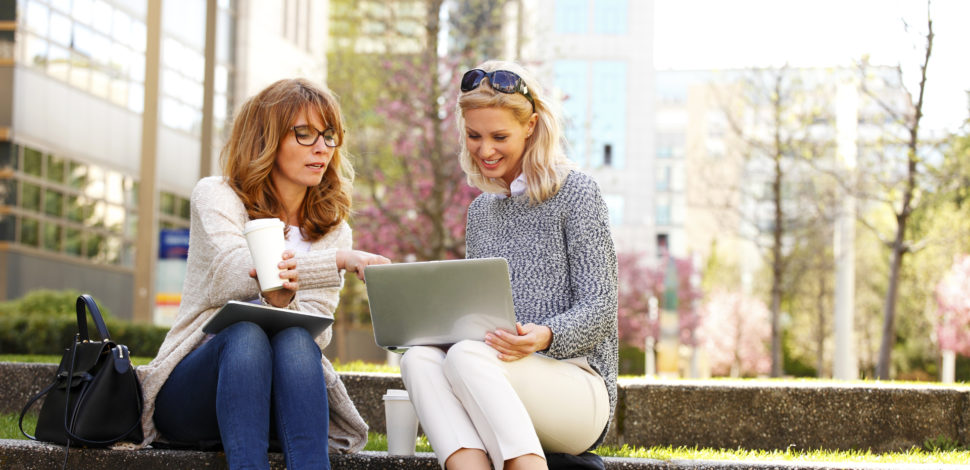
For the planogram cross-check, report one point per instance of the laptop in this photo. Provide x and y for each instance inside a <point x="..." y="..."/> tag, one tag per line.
<point x="438" y="302"/>
<point x="271" y="319"/>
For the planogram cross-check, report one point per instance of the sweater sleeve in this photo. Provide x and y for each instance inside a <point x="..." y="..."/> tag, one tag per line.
<point x="320" y="280"/>
<point x="221" y="219"/>
<point x="592" y="277"/>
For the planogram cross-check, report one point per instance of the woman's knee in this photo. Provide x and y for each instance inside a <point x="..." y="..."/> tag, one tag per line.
<point x="468" y="356"/>
<point x="420" y="358"/>
<point x="297" y="340"/>
<point x="295" y="352"/>
<point x="245" y="338"/>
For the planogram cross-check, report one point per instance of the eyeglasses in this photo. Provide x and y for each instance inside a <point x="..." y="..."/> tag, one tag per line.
<point x="306" y="135"/>
<point x="500" y="80"/>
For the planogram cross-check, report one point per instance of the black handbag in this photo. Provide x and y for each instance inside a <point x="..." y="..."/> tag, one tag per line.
<point x="95" y="399"/>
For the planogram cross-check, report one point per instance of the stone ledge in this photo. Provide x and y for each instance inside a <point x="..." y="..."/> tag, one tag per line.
<point x="881" y="416"/>
<point x="30" y="455"/>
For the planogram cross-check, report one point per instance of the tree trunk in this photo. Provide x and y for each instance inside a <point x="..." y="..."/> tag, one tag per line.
<point x="889" y="310"/>
<point x="820" y="336"/>
<point x="777" y="263"/>
<point x="899" y="246"/>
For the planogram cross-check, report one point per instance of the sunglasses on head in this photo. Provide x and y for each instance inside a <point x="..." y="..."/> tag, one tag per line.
<point x="500" y="80"/>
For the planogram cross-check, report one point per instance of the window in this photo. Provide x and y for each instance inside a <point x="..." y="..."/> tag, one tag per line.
<point x="610" y="16"/>
<point x="608" y="105"/>
<point x="663" y="178"/>
<point x="662" y="243"/>
<point x="571" y="78"/>
<point x="89" y="44"/>
<point x="614" y="206"/>
<point x="76" y="209"/>
<point x="571" y="16"/>
<point x="663" y="214"/>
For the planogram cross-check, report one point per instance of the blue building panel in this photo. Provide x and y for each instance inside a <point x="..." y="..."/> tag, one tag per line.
<point x="573" y="81"/>
<point x="608" y="123"/>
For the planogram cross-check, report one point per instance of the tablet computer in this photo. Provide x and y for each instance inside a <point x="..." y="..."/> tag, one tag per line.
<point x="271" y="319"/>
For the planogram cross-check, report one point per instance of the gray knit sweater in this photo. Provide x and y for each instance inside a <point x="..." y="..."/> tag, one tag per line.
<point x="562" y="265"/>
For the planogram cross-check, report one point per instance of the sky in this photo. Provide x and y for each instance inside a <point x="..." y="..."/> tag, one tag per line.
<point x="722" y="34"/>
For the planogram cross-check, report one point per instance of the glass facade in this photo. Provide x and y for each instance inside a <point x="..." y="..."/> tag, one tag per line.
<point x="64" y="206"/>
<point x="610" y="16"/>
<point x="75" y="205"/>
<point x="571" y="16"/>
<point x="594" y="110"/>
<point x="98" y="46"/>
<point x="572" y="80"/>
<point x="608" y="104"/>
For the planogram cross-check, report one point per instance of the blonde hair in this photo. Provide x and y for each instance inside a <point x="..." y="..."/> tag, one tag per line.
<point x="249" y="156"/>
<point x="544" y="162"/>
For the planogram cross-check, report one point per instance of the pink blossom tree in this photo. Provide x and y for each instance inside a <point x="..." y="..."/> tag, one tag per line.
<point x="638" y="282"/>
<point x="736" y="332"/>
<point x="640" y="278"/>
<point x="953" y="301"/>
<point x="398" y="92"/>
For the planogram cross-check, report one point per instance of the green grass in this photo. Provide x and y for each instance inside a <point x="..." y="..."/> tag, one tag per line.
<point x="913" y="456"/>
<point x="52" y="359"/>
<point x="360" y="366"/>
<point x="9" y="428"/>
<point x="378" y="442"/>
<point x="935" y="451"/>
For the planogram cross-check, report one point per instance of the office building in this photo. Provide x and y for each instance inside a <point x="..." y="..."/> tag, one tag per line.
<point x="113" y="109"/>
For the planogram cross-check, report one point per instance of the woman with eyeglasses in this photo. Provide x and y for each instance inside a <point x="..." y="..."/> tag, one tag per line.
<point x="548" y="388"/>
<point x="241" y="387"/>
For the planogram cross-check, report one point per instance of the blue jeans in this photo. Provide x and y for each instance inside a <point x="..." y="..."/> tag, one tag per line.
<point x="229" y="387"/>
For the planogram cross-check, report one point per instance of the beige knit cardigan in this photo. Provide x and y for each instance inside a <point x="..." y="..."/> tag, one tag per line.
<point x="218" y="271"/>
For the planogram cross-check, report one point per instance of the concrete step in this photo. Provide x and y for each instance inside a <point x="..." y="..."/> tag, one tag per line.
<point x="769" y="415"/>
<point x="30" y="455"/>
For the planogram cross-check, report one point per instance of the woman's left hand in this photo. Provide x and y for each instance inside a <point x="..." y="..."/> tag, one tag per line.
<point x="290" y="275"/>
<point x="512" y="347"/>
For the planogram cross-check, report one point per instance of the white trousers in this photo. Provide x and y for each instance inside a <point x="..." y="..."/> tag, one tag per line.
<point x="469" y="398"/>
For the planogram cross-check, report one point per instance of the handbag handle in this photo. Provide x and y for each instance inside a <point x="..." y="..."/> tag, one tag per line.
<point x="85" y="300"/>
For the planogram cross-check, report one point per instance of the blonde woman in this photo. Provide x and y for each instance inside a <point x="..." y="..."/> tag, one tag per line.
<point x="550" y="386"/>
<point x="240" y="387"/>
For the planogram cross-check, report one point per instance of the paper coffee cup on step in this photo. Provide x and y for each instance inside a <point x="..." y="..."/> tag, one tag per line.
<point x="266" y="244"/>
<point x="401" y="422"/>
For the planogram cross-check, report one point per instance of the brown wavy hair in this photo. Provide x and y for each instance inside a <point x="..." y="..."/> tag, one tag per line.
<point x="250" y="154"/>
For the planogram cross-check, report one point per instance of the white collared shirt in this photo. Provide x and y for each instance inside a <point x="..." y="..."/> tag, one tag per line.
<point x="517" y="187"/>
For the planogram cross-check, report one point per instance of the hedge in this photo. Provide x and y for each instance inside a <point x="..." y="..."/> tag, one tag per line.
<point x="45" y="322"/>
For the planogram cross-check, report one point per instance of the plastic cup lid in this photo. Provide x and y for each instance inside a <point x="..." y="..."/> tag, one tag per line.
<point x="396" y="394"/>
<point x="257" y="224"/>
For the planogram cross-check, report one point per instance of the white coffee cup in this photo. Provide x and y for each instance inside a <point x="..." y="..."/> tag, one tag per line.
<point x="266" y="244"/>
<point x="401" y="422"/>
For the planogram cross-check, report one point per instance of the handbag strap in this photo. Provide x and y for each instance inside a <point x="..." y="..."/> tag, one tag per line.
<point x="86" y="302"/>
<point x="30" y="404"/>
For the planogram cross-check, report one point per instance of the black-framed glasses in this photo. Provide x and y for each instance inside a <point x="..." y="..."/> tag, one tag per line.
<point x="306" y="135"/>
<point x="501" y="80"/>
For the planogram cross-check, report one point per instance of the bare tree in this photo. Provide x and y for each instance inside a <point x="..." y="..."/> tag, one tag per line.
<point x="900" y="153"/>
<point x="781" y="124"/>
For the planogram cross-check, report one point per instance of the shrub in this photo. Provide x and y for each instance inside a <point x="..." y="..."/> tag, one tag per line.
<point x="45" y="322"/>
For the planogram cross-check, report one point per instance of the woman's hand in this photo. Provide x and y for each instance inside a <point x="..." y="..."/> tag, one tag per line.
<point x="512" y="347"/>
<point x="356" y="261"/>
<point x="290" y="275"/>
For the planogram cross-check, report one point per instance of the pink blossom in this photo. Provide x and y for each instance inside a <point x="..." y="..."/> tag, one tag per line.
<point x="736" y="330"/>
<point x="953" y="301"/>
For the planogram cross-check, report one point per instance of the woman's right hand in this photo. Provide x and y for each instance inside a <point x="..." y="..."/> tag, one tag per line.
<point x="356" y="261"/>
